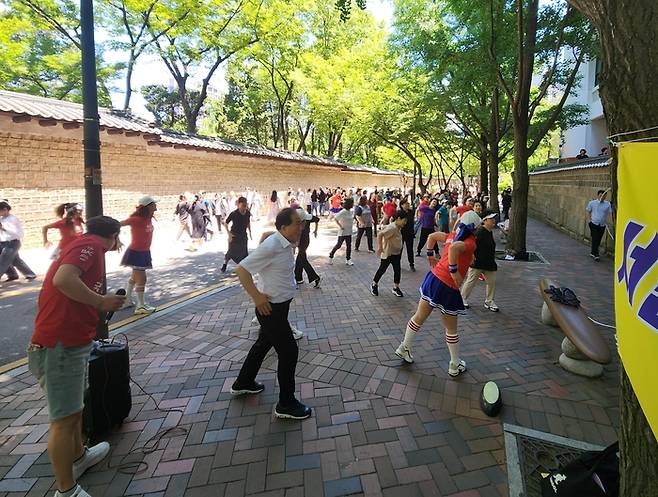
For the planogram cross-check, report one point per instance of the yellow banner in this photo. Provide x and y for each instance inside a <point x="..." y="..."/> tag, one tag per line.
<point x="636" y="272"/>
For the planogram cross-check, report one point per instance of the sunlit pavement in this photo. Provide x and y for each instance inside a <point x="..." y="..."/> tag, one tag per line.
<point x="379" y="428"/>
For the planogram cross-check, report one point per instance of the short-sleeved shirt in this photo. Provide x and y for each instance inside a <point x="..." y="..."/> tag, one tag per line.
<point x="363" y="211"/>
<point x="344" y="217"/>
<point x="389" y="209"/>
<point x="599" y="211"/>
<point x="463" y="208"/>
<point x="336" y="200"/>
<point x="441" y="269"/>
<point x="182" y="211"/>
<point x="274" y="263"/>
<point x="59" y="318"/>
<point x="443" y="215"/>
<point x="240" y="222"/>
<point x="141" y="231"/>
<point x="426" y="217"/>
<point x="392" y="241"/>
<point x="68" y="231"/>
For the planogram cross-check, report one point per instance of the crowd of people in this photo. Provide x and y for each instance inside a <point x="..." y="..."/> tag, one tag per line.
<point x="454" y="234"/>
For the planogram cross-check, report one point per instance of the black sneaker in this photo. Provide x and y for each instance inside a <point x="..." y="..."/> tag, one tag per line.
<point x="223" y="268"/>
<point x="397" y="292"/>
<point x="255" y="387"/>
<point x="297" y="410"/>
<point x="413" y="268"/>
<point x="374" y="290"/>
<point x="316" y="282"/>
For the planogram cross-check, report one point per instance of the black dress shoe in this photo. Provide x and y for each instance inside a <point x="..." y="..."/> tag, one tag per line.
<point x="297" y="410"/>
<point x="255" y="387"/>
<point x="11" y="278"/>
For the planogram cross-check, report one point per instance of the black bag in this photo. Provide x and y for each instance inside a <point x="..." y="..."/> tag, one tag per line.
<point x="593" y="474"/>
<point x="108" y="399"/>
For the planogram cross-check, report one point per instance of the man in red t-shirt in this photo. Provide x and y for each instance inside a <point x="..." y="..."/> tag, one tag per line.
<point x="64" y="329"/>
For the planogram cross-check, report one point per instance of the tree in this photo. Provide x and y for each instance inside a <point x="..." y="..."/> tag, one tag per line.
<point x="166" y="106"/>
<point x="629" y="92"/>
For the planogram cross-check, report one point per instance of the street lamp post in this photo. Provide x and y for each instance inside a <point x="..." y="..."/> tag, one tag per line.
<point x="91" y="128"/>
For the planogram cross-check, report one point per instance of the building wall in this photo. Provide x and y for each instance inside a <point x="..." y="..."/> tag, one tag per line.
<point x="559" y="199"/>
<point x="43" y="167"/>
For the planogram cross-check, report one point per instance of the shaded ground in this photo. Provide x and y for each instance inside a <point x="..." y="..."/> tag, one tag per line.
<point x="379" y="427"/>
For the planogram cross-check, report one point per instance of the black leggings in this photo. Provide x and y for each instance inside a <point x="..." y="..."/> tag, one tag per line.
<point x="424" y="233"/>
<point x="383" y="266"/>
<point x="409" y="244"/>
<point x="348" y="246"/>
<point x="359" y="235"/>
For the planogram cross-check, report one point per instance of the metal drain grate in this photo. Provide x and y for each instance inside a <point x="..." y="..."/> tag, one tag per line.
<point x="531" y="453"/>
<point x="533" y="257"/>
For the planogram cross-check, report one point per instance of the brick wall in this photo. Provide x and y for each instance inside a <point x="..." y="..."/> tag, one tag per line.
<point x="559" y="199"/>
<point x="42" y="167"/>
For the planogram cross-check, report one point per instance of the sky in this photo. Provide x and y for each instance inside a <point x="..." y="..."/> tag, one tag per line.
<point x="150" y="70"/>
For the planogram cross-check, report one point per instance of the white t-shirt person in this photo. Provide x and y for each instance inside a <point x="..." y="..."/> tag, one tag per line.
<point x="345" y="220"/>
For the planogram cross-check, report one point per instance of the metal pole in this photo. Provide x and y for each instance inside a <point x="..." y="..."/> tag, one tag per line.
<point x="91" y="128"/>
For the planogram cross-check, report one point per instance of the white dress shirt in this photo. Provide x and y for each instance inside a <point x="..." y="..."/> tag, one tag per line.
<point x="274" y="263"/>
<point x="11" y="229"/>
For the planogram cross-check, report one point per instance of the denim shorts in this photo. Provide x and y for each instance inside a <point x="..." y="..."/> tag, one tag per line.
<point x="62" y="374"/>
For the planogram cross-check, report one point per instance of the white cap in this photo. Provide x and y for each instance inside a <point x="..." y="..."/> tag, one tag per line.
<point x="304" y="215"/>
<point x="146" y="200"/>
<point x="489" y="216"/>
<point x="470" y="217"/>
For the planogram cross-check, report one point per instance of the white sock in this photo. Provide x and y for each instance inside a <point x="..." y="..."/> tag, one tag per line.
<point x="140" y="297"/>
<point x="129" y="289"/>
<point x="410" y="333"/>
<point x="452" y="341"/>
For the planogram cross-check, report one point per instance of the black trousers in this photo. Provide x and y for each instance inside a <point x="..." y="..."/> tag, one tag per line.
<point x="274" y="332"/>
<point x="302" y="264"/>
<point x="409" y="244"/>
<point x="597" y="233"/>
<point x="348" y="246"/>
<point x="424" y="233"/>
<point x="219" y="223"/>
<point x="359" y="235"/>
<point x="393" y="260"/>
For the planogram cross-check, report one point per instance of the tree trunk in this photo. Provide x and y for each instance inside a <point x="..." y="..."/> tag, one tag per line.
<point x="519" y="210"/>
<point x="493" y="177"/>
<point x="629" y="40"/>
<point x="129" y="77"/>
<point x="484" y="168"/>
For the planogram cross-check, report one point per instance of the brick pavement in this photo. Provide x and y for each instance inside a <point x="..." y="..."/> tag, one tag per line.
<point x="379" y="428"/>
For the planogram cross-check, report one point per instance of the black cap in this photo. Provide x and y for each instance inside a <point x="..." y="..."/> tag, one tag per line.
<point x="103" y="226"/>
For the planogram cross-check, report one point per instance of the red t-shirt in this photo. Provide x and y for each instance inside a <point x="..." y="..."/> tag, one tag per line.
<point x="68" y="232"/>
<point x="389" y="209"/>
<point x="336" y="200"/>
<point x="141" y="230"/>
<point x="60" y="319"/>
<point x="441" y="270"/>
<point x="464" y="208"/>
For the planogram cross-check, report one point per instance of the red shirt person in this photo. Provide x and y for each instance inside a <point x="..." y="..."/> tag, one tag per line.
<point x="69" y="226"/>
<point x="58" y="354"/>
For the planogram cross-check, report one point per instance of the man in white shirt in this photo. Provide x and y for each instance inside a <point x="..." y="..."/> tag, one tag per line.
<point x="274" y="262"/>
<point x="11" y="234"/>
<point x="345" y="221"/>
<point x="597" y="214"/>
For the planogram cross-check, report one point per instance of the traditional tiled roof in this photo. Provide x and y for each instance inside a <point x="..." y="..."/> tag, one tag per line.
<point x="70" y="112"/>
<point x="590" y="163"/>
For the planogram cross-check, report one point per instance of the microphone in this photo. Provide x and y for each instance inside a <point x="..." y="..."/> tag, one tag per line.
<point x="108" y="317"/>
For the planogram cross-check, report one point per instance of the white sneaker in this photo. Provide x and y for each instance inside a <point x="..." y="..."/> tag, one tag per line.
<point x="144" y="309"/>
<point x="128" y="304"/>
<point x="349" y="262"/>
<point x="254" y="320"/>
<point x="466" y="304"/>
<point x="296" y="333"/>
<point x="491" y="306"/>
<point x="456" y="369"/>
<point x="331" y="261"/>
<point x="404" y="353"/>
<point x="78" y="492"/>
<point x="93" y="455"/>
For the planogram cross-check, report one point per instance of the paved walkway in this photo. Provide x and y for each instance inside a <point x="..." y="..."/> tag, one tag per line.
<point x="379" y="427"/>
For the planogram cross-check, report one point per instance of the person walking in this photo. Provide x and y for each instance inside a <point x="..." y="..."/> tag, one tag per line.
<point x="301" y="262"/>
<point x="372" y="204"/>
<point x="506" y="201"/>
<point x="443" y="217"/>
<point x="273" y="261"/>
<point x="11" y="235"/>
<point x="484" y="264"/>
<point x="426" y="215"/>
<point x="69" y="225"/>
<point x="138" y="254"/>
<point x="315" y="207"/>
<point x="221" y="210"/>
<point x="198" y="215"/>
<point x="183" y="212"/>
<point x="389" y="249"/>
<point x="440" y="289"/>
<point x="240" y="221"/>
<point x="364" y="223"/>
<point x="58" y="353"/>
<point x="345" y="222"/>
<point x="322" y="201"/>
<point x="597" y="215"/>
<point x="275" y="207"/>
<point x="408" y="232"/>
